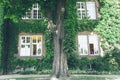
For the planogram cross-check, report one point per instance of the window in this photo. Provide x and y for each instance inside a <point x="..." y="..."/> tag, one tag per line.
<point x="88" y="45"/>
<point x="33" y="13"/>
<point x="86" y="9"/>
<point x="30" y="45"/>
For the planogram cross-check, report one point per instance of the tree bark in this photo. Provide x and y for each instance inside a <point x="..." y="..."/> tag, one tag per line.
<point x="5" y="47"/>
<point x="60" y="67"/>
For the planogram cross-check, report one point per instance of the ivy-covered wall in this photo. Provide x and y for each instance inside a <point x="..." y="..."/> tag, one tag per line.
<point x="107" y="26"/>
<point x="13" y="31"/>
<point x="1" y="36"/>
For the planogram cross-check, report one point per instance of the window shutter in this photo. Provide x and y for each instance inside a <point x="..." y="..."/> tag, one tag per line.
<point x="82" y="45"/>
<point x="91" y="10"/>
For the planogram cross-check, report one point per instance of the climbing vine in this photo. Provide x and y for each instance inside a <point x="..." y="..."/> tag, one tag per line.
<point x="107" y="26"/>
<point x="1" y="35"/>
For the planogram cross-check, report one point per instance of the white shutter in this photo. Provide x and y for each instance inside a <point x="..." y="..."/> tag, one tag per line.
<point x="82" y="45"/>
<point x="93" y="39"/>
<point x="91" y="10"/>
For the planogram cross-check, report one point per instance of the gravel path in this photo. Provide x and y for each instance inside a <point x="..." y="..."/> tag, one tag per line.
<point x="117" y="77"/>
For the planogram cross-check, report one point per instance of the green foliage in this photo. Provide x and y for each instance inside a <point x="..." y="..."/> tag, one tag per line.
<point x="28" y="27"/>
<point x="70" y="35"/>
<point x="86" y="25"/>
<point x="83" y="63"/>
<point x="28" y="72"/>
<point x="116" y="55"/>
<point x="1" y="34"/>
<point x="107" y="63"/>
<point x="107" y="26"/>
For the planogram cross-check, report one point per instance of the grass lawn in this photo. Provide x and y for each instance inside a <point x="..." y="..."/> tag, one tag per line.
<point x="74" y="78"/>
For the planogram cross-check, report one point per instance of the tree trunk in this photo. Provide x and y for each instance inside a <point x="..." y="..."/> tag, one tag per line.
<point x="5" y="47"/>
<point x="60" y="67"/>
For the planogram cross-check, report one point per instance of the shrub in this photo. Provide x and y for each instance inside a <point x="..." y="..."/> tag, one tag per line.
<point x="83" y="63"/>
<point x="116" y="55"/>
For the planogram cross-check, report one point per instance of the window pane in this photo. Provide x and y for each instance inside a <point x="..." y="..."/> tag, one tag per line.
<point x="81" y="10"/>
<point x="39" y="51"/>
<point x="39" y="38"/>
<point x="35" y="5"/>
<point x="32" y="45"/>
<point x="28" y="40"/>
<point x="34" y="13"/>
<point x="91" y="46"/>
<point x="24" y="50"/>
<point x="83" y="14"/>
<point x="39" y="14"/>
<point x="22" y="46"/>
<point x="93" y="42"/>
<point x="28" y="46"/>
<point x="78" y="5"/>
<point x="91" y="11"/>
<point x="39" y="48"/>
<point x="23" y="40"/>
<point x="82" y="45"/>
<point x="34" y="49"/>
<point x="82" y="5"/>
<point x="34" y="39"/>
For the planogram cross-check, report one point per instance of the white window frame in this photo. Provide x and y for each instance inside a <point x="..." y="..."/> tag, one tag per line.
<point x="30" y="53"/>
<point x="31" y="13"/>
<point x="89" y="10"/>
<point x="88" y="42"/>
<point x="82" y="49"/>
<point x="81" y="9"/>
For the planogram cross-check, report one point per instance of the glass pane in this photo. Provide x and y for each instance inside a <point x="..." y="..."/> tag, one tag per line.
<point x="83" y="5"/>
<point x="39" y="39"/>
<point x="22" y="46"/>
<point x="34" y="49"/>
<point x="28" y="40"/>
<point x="91" y="10"/>
<point x="93" y="41"/>
<point x="34" y="39"/>
<point x="83" y="44"/>
<point x="91" y="46"/>
<point x="34" y="13"/>
<point x="78" y="5"/>
<point x="39" y="51"/>
<point x="39" y="14"/>
<point x="28" y="46"/>
<point x="79" y="14"/>
<point x="35" y="5"/>
<point x="83" y="14"/>
<point x="23" y="39"/>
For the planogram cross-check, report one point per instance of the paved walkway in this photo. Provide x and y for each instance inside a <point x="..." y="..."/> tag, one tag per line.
<point x="117" y="77"/>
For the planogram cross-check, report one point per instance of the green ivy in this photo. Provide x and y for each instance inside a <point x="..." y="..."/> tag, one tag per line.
<point x="14" y="30"/>
<point x="1" y="36"/>
<point x="108" y="27"/>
